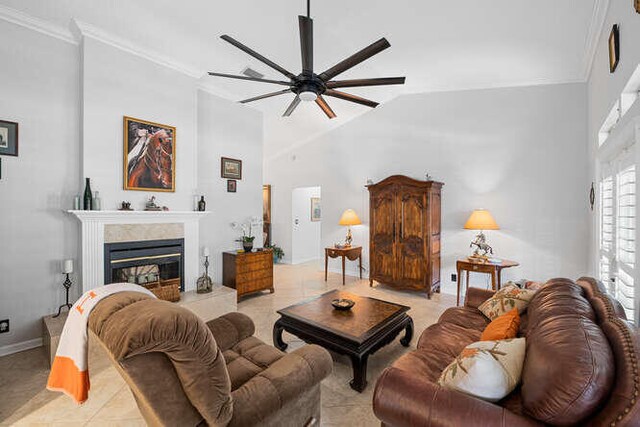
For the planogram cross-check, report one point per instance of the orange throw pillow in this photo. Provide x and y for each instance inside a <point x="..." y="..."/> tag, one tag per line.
<point x="503" y="327"/>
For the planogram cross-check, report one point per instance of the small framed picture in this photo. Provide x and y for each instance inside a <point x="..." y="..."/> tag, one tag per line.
<point x="231" y="168"/>
<point x="316" y="209"/>
<point x="637" y="3"/>
<point x="8" y="138"/>
<point x="614" y="48"/>
<point x="232" y="186"/>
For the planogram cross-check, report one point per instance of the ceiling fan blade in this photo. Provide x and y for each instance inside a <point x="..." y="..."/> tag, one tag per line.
<point x="253" y="79"/>
<point x="306" y="43"/>
<point x="256" y="55"/>
<point x="267" y="95"/>
<point x="292" y="106"/>
<point x="325" y="107"/>
<point x="366" y="82"/>
<point x="350" y="97"/>
<point x="355" y="59"/>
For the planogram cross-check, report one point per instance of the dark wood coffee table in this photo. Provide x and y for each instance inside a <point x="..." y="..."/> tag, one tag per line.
<point x="368" y="326"/>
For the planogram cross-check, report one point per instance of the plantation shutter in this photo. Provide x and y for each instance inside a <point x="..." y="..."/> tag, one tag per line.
<point x="626" y="239"/>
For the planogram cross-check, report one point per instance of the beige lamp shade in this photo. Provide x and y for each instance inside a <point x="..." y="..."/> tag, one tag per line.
<point x="349" y="217"/>
<point x="481" y="219"/>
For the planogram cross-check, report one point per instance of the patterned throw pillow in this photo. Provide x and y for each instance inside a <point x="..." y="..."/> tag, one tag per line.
<point x="488" y="370"/>
<point x="505" y="300"/>
<point x="504" y="327"/>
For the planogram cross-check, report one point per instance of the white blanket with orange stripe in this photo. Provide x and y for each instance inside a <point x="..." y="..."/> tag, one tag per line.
<point x="70" y="370"/>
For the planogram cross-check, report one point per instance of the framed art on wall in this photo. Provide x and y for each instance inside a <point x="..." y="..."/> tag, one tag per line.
<point x="149" y="156"/>
<point x="637" y="4"/>
<point x="232" y="186"/>
<point x="316" y="209"/>
<point x="230" y="168"/>
<point x="8" y="138"/>
<point x="614" y="48"/>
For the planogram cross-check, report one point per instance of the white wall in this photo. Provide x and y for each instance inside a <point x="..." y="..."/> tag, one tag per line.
<point x="306" y="234"/>
<point x="116" y="84"/>
<point x="518" y="152"/>
<point x="228" y="129"/>
<point x="70" y="100"/>
<point x="39" y="89"/>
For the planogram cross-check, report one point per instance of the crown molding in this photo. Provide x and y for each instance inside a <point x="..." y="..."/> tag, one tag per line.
<point x="598" y="17"/>
<point x="82" y="29"/>
<point x="36" y="24"/>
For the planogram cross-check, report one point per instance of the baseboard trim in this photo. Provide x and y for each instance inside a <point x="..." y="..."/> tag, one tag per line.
<point x="20" y="346"/>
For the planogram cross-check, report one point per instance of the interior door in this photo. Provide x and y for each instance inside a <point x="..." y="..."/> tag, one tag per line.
<point x="383" y="213"/>
<point x="412" y="237"/>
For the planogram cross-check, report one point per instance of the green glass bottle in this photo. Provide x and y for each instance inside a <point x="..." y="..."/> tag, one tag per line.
<point x="88" y="198"/>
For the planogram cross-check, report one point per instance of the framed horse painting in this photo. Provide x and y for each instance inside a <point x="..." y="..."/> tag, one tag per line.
<point x="149" y="156"/>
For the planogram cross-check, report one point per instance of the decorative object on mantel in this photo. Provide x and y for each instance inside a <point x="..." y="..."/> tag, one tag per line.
<point x="76" y="202"/>
<point x="205" y="284"/>
<point x="67" y="269"/>
<point x="316" y="209"/>
<point x="481" y="219"/>
<point x="88" y="196"/>
<point x="125" y="206"/>
<point x="151" y="205"/>
<point x="230" y="168"/>
<point x="349" y="218"/>
<point x="232" y="186"/>
<point x="202" y="205"/>
<point x="149" y="156"/>
<point x="309" y="86"/>
<point x="614" y="48"/>
<point x="592" y="194"/>
<point x="96" y="204"/>
<point x="8" y="138"/>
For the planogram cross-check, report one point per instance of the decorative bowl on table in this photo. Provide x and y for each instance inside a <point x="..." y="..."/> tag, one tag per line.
<point x="343" y="304"/>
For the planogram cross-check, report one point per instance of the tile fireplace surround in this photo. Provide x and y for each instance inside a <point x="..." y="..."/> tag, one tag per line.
<point x="100" y="227"/>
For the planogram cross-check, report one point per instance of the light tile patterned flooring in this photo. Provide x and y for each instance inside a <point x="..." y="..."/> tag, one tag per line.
<point x="25" y="401"/>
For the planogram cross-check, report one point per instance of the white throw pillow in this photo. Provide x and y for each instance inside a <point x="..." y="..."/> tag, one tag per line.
<point x="488" y="370"/>
<point x="505" y="300"/>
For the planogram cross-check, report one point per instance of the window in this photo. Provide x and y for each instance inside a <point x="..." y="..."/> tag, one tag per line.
<point x="617" y="238"/>
<point x="629" y="95"/>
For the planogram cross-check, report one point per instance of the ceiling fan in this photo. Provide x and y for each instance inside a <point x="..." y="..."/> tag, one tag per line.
<point x="309" y="86"/>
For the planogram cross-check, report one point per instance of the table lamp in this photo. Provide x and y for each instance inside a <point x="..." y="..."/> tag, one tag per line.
<point x="349" y="218"/>
<point x="481" y="219"/>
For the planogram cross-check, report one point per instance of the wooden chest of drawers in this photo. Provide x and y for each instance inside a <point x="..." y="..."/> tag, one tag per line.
<point x="248" y="272"/>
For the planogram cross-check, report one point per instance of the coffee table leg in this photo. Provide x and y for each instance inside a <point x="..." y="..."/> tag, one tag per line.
<point x="359" y="381"/>
<point x="277" y="336"/>
<point x="408" y="333"/>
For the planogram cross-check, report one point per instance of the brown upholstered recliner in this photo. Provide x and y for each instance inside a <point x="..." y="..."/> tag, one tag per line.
<point x="183" y="372"/>
<point x="581" y="366"/>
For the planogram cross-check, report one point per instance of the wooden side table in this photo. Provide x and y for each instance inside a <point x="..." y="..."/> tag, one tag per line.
<point x="352" y="253"/>
<point x="471" y="265"/>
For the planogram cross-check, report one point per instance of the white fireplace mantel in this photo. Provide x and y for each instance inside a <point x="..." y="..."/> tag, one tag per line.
<point x="93" y="225"/>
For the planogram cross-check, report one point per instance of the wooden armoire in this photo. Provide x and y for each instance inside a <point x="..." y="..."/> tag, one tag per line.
<point x="404" y="244"/>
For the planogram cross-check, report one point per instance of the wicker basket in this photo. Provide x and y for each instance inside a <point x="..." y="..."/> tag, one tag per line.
<point x="168" y="290"/>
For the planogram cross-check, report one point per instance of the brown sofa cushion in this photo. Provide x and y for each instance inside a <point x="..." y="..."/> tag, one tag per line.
<point x="569" y="368"/>
<point x="248" y="358"/>
<point x="467" y="317"/>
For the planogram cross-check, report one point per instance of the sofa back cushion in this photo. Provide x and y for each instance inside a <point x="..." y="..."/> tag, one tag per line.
<point x="569" y="368"/>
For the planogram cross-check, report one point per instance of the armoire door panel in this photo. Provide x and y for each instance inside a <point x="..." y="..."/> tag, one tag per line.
<point x="383" y="229"/>
<point x="411" y="243"/>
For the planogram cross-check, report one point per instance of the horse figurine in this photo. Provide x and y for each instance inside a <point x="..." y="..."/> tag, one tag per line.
<point x="482" y="247"/>
<point x="153" y="167"/>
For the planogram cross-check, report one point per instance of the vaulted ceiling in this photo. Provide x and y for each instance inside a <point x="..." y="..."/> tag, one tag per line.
<point x="439" y="45"/>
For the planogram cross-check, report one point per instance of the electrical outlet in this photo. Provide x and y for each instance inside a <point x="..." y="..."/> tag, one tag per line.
<point x="454" y="277"/>
<point x="4" y="326"/>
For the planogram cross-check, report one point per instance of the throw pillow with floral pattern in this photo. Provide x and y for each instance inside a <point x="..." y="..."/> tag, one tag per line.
<point x="505" y="300"/>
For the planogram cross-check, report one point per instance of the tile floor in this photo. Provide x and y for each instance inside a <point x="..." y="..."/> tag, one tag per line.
<point x="111" y="403"/>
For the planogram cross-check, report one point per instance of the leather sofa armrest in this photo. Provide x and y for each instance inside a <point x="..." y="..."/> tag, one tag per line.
<point x="403" y="399"/>
<point x="231" y="328"/>
<point x="282" y="382"/>
<point x="476" y="296"/>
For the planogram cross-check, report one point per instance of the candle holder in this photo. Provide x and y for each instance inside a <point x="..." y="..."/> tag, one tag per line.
<point x="67" y="284"/>
<point x="205" y="284"/>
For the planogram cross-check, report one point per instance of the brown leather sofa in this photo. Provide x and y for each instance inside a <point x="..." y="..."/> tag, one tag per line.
<point x="183" y="372"/>
<point x="580" y="369"/>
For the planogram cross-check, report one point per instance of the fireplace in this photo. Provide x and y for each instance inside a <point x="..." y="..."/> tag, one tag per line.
<point x="144" y="262"/>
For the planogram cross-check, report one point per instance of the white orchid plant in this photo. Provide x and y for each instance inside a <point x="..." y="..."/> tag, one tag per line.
<point x="247" y="228"/>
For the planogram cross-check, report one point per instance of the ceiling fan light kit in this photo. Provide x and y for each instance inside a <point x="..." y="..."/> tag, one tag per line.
<point x="309" y="86"/>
